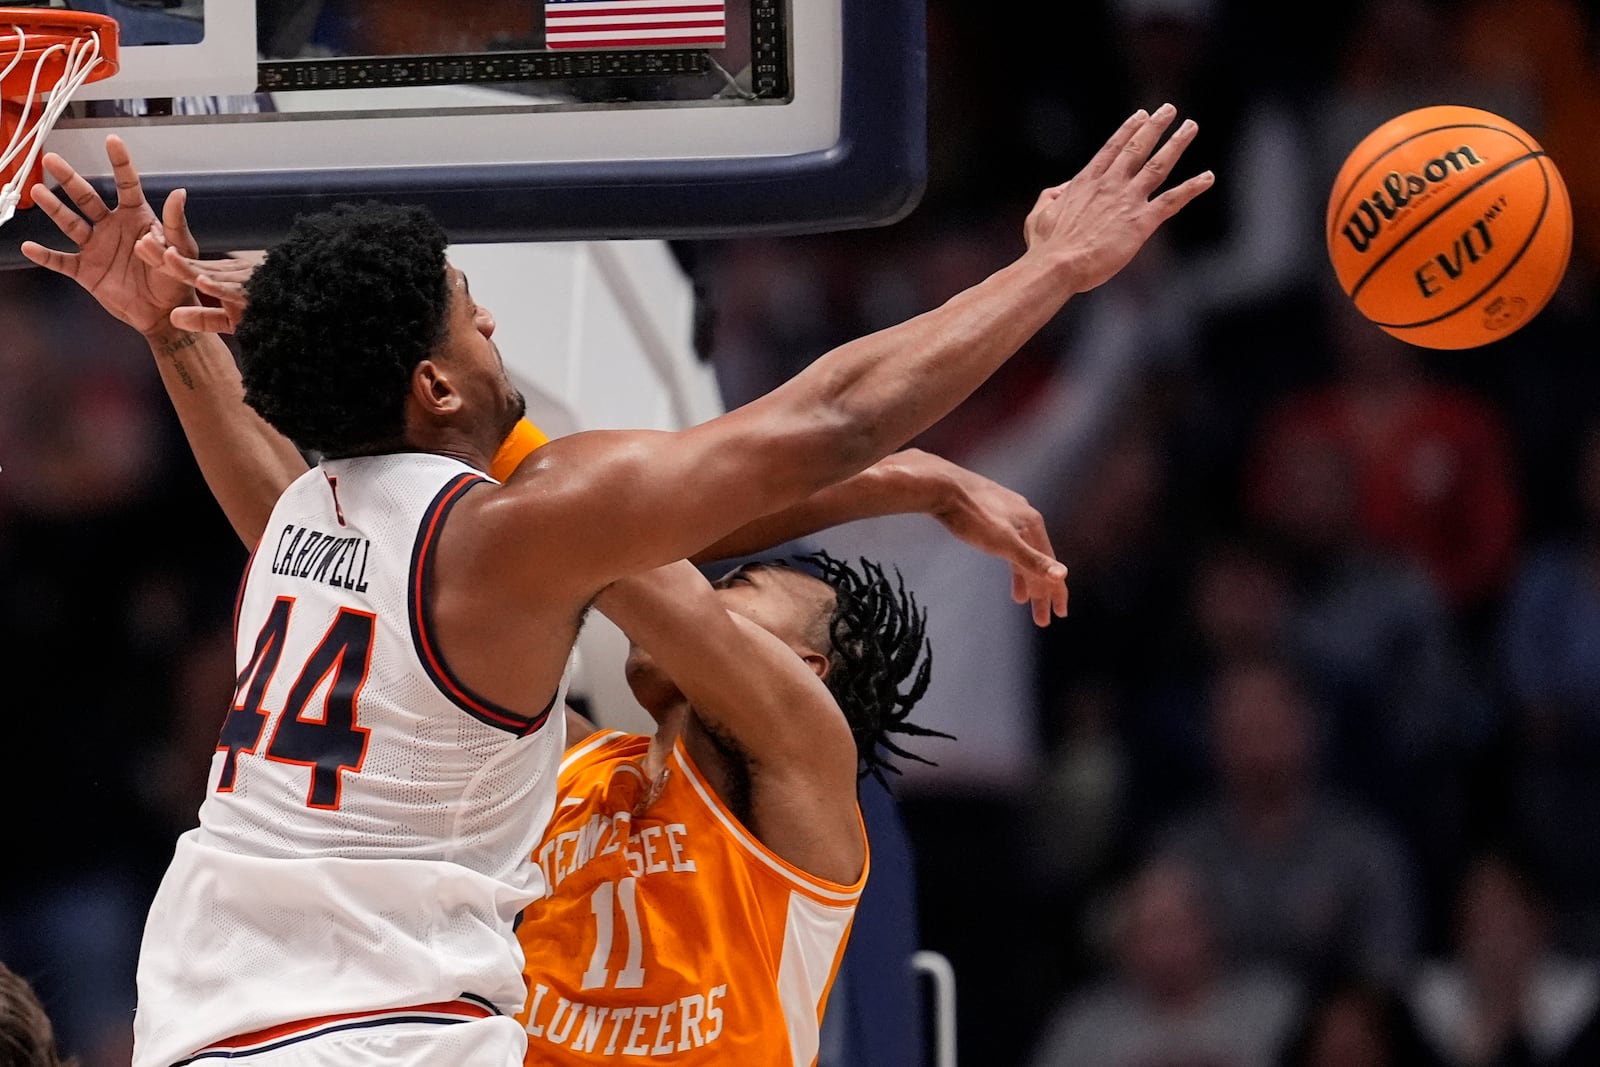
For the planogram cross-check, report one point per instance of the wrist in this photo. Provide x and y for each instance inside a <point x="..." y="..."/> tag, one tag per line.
<point x="164" y="332"/>
<point x="1062" y="268"/>
<point x="160" y="337"/>
<point x="165" y="340"/>
<point x="922" y="482"/>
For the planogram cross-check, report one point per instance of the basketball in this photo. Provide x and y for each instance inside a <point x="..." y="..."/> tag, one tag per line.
<point x="1449" y="227"/>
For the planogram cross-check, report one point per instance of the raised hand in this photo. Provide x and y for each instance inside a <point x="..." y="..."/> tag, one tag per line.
<point x="996" y="520"/>
<point x="105" y="263"/>
<point x="221" y="279"/>
<point x="1098" y="220"/>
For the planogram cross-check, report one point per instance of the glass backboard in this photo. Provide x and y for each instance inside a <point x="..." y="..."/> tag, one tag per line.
<point x="513" y="120"/>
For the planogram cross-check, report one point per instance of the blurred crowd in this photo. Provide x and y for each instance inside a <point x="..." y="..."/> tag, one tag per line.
<point x="1309" y="776"/>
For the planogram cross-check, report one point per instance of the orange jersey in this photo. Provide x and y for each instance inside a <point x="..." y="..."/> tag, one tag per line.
<point x="673" y="936"/>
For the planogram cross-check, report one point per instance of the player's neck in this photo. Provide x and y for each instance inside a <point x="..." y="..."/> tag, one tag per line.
<point x="472" y="456"/>
<point x="455" y="439"/>
<point x="721" y="764"/>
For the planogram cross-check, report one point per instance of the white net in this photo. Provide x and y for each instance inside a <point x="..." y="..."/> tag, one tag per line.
<point x="80" y="58"/>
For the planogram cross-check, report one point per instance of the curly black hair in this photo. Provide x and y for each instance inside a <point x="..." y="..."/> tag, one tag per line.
<point x="340" y="313"/>
<point x="878" y="644"/>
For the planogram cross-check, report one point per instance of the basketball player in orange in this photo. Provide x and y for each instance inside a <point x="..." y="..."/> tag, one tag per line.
<point x="351" y="888"/>
<point x="703" y="882"/>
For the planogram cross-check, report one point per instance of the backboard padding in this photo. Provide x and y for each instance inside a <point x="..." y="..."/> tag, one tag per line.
<point x="866" y="169"/>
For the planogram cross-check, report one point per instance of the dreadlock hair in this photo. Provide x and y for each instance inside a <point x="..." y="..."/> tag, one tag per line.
<point x="340" y="313"/>
<point x="878" y="643"/>
<point x="26" y="1037"/>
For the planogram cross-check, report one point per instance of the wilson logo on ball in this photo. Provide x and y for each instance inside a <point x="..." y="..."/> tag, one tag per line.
<point x="1383" y="204"/>
<point x="1448" y="227"/>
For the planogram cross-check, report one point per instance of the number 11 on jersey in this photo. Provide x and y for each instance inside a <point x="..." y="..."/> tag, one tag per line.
<point x="605" y="901"/>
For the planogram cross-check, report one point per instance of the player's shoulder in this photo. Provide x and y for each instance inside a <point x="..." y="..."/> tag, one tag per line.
<point x="694" y="800"/>
<point x="602" y="748"/>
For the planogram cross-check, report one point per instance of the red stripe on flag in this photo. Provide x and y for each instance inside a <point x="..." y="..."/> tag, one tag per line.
<point x="560" y="12"/>
<point x="629" y="42"/>
<point x="613" y="27"/>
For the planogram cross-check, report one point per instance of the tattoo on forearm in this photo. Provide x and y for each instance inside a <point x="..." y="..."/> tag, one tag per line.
<point x="170" y="350"/>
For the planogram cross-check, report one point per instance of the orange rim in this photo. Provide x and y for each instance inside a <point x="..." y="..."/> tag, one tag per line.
<point x="45" y="28"/>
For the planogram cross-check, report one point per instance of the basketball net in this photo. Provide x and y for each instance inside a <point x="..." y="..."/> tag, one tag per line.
<point x="28" y="116"/>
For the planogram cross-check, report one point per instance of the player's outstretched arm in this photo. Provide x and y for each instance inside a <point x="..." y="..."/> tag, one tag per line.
<point x="975" y="509"/>
<point x="747" y="685"/>
<point x="983" y="513"/>
<point x="644" y="500"/>
<point x="245" y="462"/>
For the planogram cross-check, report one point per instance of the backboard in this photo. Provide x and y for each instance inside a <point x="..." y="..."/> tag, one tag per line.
<point x="512" y="120"/>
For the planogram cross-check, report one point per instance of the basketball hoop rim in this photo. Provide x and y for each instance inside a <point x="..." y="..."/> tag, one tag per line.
<point x="46" y="55"/>
<point x="50" y="20"/>
<point x="46" y="28"/>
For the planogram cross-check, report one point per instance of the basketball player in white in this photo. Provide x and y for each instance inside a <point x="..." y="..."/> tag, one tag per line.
<point x="382" y="775"/>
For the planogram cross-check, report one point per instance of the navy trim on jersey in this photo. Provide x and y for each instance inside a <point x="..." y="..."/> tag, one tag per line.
<point x="482" y="1002"/>
<point x="360" y="1024"/>
<point x="421" y="614"/>
<point x="372" y="1020"/>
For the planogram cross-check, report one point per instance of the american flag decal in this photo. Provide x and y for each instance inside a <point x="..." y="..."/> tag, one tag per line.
<point x="635" y="23"/>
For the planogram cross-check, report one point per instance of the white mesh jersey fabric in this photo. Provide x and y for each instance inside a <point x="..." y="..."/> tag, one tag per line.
<point x="366" y="840"/>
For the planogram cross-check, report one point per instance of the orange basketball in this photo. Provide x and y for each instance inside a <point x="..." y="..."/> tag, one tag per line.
<point x="1449" y="227"/>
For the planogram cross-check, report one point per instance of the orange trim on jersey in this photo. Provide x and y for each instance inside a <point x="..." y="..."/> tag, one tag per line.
<point x="463" y="1008"/>
<point x="826" y="891"/>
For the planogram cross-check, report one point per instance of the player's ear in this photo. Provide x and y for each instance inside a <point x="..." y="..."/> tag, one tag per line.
<point x="818" y="663"/>
<point x="432" y="388"/>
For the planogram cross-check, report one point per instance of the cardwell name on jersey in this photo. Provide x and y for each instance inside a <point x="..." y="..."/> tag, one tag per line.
<point x="319" y="557"/>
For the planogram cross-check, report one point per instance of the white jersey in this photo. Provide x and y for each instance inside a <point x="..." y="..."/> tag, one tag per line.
<point x="367" y="836"/>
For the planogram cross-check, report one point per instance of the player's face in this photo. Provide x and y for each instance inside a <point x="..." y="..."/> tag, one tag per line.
<point x="790" y="605"/>
<point x="469" y="339"/>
